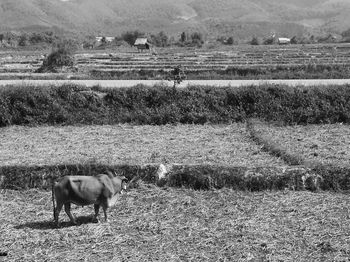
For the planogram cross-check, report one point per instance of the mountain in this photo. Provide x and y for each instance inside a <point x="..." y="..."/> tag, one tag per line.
<point x="240" y="18"/>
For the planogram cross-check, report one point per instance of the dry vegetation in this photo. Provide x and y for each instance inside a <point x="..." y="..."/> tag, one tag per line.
<point x="127" y="144"/>
<point x="152" y="224"/>
<point x="316" y="61"/>
<point x="326" y="144"/>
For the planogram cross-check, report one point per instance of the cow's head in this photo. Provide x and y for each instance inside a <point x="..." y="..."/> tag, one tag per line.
<point x="118" y="181"/>
<point x="123" y="184"/>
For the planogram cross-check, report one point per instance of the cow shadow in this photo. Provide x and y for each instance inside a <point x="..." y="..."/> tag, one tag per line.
<point x="46" y="225"/>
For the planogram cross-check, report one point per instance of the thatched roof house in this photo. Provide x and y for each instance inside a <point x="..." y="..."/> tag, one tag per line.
<point x="142" y="43"/>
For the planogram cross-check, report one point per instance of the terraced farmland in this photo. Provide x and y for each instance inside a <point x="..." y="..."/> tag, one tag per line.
<point x="199" y="60"/>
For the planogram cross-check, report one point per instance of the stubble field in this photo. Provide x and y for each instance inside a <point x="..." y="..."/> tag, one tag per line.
<point x="175" y="224"/>
<point x="227" y="145"/>
<point x="325" y="144"/>
<point x="128" y="144"/>
<point x="153" y="224"/>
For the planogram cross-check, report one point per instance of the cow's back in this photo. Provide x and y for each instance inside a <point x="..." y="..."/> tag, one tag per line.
<point x="80" y="190"/>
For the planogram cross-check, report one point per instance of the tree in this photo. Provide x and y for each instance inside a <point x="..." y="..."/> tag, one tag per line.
<point x="294" y="40"/>
<point x="183" y="37"/>
<point x="62" y="55"/>
<point x="197" y="39"/>
<point x="254" y="41"/>
<point x="23" y="40"/>
<point x="103" y="40"/>
<point x="230" y="41"/>
<point x="178" y="75"/>
<point x="269" y="41"/>
<point x="312" y="39"/>
<point x="130" y="37"/>
<point x="196" y="36"/>
<point x="346" y="33"/>
<point x="161" y="39"/>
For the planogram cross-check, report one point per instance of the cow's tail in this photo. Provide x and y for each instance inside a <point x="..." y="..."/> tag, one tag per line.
<point x="53" y="199"/>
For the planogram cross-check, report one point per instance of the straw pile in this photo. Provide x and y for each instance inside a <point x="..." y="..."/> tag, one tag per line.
<point x="153" y="224"/>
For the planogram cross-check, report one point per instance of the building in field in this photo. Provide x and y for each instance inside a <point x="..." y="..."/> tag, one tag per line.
<point x="142" y="44"/>
<point x="107" y="39"/>
<point x="283" y="41"/>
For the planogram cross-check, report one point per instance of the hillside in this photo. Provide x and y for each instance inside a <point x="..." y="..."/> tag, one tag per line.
<point x="231" y="17"/>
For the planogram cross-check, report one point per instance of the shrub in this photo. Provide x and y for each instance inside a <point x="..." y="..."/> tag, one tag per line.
<point x="130" y="37"/>
<point x="62" y="55"/>
<point x="255" y="41"/>
<point x="72" y="104"/>
<point x="198" y="177"/>
<point x="160" y="39"/>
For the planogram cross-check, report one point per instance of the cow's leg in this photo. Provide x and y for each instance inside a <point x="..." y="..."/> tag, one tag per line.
<point x="57" y="211"/>
<point x="97" y="209"/>
<point x="105" y="211"/>
<point x="67" y="209"/>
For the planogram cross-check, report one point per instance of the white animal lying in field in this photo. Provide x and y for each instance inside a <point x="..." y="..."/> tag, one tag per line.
<point x="101" y="190"/>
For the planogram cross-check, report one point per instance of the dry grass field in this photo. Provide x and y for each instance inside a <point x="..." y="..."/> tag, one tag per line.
<point x="127" y="144"/>
<point x="176" y="224"/>
<point x="116" y="63"/>
<point x="153" y="224"/>
<point x="326" y="144"/>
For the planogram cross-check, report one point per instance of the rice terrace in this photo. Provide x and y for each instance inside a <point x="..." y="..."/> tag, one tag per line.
<point x="252" y="171"/>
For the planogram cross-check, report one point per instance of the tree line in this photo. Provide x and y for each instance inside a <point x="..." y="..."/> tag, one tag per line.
<point x="160" y="39"/>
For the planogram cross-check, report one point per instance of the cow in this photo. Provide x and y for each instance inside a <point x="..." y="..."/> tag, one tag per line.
<point x="101" y="190"/>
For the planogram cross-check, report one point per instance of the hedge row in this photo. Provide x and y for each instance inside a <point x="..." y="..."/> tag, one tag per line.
<point x="73" y="104"/>
<point x="198" y="177"/>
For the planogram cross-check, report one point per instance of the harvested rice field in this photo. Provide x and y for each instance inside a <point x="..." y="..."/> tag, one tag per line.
<point x="153" y="224"/>
<point x="127" y="144"/>
<point x="326" y="144"/>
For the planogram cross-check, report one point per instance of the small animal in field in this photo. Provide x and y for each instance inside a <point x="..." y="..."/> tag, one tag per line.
<point x="101" y="190"/>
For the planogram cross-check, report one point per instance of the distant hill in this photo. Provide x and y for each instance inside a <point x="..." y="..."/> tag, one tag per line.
<point x="220" y="17"/>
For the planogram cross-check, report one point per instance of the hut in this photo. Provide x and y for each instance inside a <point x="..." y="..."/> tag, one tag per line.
<point x="283" y="41"/>
<point x="142" y="43"/>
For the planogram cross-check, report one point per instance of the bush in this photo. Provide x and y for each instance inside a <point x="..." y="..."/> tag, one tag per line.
<point x="230" y="41"/>
<point x="158" y="105"/>
<point x="130" y="37"/>
<point x="160" y="39"/>
<point x="198" y="177"/>
<point x="255" y="41"/>
<point x="62" y="55"/>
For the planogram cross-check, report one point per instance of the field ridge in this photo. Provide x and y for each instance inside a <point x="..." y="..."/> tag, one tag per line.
<point x="200" y="177"/>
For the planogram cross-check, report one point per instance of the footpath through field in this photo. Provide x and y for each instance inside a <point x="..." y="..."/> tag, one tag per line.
<point x="217" y="83"/>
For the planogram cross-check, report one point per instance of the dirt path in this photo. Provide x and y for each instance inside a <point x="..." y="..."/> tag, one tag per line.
<point x="218" y="83"/>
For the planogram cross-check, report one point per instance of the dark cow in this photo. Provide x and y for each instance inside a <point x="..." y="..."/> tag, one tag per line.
<point x="101" y="190"/>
